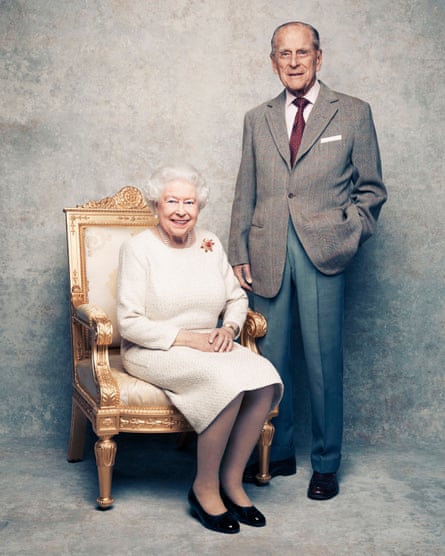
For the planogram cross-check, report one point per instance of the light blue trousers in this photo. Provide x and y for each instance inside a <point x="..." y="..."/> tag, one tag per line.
<point x="320" y="301"/>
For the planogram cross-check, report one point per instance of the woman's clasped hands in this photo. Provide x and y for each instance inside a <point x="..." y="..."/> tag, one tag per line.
<point x="217" y="340"/>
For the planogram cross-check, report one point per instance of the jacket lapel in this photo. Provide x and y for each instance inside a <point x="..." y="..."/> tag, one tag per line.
<point x="275" y="117"/>
<point x="324" y="110"/>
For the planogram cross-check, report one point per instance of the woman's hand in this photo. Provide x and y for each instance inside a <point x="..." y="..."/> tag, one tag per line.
<point x="222" y="339"/>
<point x="217" y="340"/>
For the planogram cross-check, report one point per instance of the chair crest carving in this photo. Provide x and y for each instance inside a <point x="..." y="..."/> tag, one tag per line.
<point x="127" y="198"/>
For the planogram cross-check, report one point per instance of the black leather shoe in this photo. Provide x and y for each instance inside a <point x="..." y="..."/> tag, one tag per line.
<point x="283" y="467"/>
<point x="244" y="514"/>
<point x="323" y="486"/>
<point x="222" y="523"/>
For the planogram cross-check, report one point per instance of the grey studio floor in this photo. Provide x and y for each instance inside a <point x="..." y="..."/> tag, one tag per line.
<point x="392" y="501"/>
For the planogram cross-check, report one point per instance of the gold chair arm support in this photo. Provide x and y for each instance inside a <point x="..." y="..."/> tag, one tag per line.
<point x="100" y="330"/>
<point x="254" y="327"/>
<point x="94" y="318"/>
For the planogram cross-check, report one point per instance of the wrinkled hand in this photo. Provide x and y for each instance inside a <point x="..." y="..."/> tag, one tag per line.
<point x="217" y="340"/>
<point x="221" y="339"/>
<point x="242" y="272"/>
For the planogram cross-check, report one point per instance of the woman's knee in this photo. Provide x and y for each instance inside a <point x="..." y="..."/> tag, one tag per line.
<point x="260" y="394"/>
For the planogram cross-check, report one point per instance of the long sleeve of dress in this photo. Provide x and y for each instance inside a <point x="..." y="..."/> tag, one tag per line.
<point x="134" y="324"/>
<point x="235" y="309"/>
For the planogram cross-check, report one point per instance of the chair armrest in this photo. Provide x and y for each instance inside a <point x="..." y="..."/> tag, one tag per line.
<point x="100" y="332"/>
<point x="94" y="318"/>
<point x="255" y="326"/>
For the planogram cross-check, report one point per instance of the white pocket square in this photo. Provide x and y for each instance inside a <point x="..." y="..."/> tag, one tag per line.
<point x="329" y="139"/>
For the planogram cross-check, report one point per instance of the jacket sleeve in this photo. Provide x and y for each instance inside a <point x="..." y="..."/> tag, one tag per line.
<point x="244" y="200"/>
<point x="369" y="192"/>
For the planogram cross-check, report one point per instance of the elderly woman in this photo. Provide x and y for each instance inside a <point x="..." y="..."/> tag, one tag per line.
<point x="174" y="286"/>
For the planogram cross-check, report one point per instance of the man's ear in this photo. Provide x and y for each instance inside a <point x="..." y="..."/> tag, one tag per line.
<point x="319" y="60"/>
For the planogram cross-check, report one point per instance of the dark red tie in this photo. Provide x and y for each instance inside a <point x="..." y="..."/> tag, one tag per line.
<point x="298" y="128"/>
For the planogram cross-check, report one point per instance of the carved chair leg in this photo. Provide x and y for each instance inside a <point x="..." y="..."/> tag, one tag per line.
<point x="105" y="450"/>
<point x="264" y="444"/>
<point x="77" y="434"/>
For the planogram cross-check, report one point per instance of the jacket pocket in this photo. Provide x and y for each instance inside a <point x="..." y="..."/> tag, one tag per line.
<point x="332" y="238"/>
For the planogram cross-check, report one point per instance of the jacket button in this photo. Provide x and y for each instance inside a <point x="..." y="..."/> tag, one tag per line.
<point x="291" y="195"/>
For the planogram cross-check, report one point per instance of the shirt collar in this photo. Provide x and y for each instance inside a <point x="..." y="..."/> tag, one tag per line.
<point x="311" y="95"/>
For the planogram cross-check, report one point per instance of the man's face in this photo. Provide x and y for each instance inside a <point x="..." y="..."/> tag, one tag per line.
<point x="295" y="60"/>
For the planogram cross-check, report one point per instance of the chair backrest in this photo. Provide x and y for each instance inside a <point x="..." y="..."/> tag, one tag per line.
<point x="95" y="232"/>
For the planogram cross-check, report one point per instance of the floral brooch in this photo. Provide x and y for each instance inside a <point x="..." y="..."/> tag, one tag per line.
<point x="207" y="245"/>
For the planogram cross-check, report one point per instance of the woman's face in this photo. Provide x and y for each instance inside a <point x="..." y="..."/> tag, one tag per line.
<point x="178" y="210"/>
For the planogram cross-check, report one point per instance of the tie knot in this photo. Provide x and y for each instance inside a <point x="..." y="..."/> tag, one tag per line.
<point x="301" y="102"/>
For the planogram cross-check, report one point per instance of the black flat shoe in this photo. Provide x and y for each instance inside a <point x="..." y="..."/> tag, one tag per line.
<point x="323" y="486"/>
<point x="248" y="515"/>
<point x="283" y="467"/>
<point x="222" y="523"/>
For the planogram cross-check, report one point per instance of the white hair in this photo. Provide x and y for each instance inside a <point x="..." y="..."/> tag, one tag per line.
<point x="186" y="172"/>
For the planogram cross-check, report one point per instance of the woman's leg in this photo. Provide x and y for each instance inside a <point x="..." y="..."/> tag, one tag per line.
<point x="210" y="450"/>
<point x="254" y="409"/>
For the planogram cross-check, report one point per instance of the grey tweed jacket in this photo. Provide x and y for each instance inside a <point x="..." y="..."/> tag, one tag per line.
<point x="333" y="194"/>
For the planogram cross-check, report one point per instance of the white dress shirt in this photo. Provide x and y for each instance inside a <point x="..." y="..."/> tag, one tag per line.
<point x="291" y="109"/>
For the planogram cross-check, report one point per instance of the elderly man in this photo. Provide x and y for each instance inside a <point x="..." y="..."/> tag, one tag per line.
<point x="308" y="193"/>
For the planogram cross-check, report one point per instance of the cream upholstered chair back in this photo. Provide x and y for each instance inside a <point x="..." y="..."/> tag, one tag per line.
<point x="103" y="392"/>
<point x="101" y="253"/>
<point x="95" y="232"/>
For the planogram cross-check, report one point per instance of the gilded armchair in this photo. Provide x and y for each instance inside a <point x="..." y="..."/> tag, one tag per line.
<point x="103" y="393"/>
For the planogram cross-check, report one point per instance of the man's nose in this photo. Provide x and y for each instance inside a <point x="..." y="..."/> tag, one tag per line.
<point x="294" y="60"/>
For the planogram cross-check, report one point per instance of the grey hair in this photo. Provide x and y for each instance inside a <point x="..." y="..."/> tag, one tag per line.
<point x="315" y="34"/>
<point x="186" y="172"/>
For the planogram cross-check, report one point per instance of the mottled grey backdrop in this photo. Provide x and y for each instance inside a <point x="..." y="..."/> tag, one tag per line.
<point x="95" y="94"/>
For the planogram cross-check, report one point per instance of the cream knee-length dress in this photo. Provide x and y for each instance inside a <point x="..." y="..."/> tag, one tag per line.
<point x="162" y="290"/>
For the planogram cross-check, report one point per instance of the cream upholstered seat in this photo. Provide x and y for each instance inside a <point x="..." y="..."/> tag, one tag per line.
<point x="103" y="393"/>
